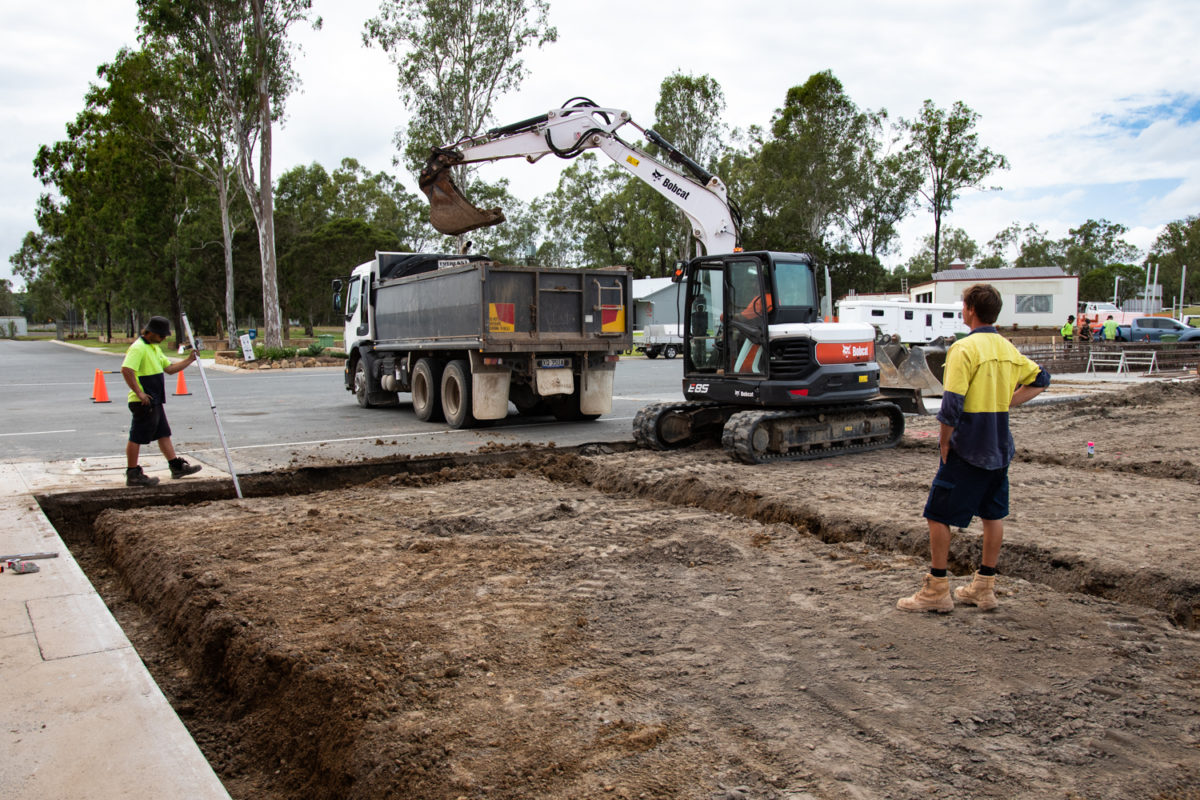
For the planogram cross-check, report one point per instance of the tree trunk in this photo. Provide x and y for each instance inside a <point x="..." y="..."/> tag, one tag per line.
<point x="266" y="225"/>
<point x="227" y="235"/>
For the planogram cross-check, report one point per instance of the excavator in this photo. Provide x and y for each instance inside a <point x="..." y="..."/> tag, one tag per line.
<point x="761" y="369"/>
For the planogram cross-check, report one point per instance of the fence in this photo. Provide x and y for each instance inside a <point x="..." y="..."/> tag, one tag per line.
<point x="1060" y="357"/>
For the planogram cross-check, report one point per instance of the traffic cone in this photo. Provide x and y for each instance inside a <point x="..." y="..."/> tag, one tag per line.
<point x="99" y="390"/>
<point x="181" y="386"/>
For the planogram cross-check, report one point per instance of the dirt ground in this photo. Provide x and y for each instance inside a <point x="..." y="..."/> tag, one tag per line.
<point x="650" y="625"/>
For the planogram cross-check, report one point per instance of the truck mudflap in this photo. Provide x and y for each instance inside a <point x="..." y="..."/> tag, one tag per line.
<point x="490" y="385"/>
<point x="596" y="388"/>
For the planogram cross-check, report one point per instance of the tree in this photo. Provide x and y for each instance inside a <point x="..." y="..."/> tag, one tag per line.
<point x="882" y="190"/>
<point x="1095" y="244"/>
<point x="172" y="104"/>
<point x="956" y="244"/>
<point x="248" y="57"/>
<point x="688" y="115"/>
<point x="1178" y="246"/>
<point x="946" y="149"/>
<point x="1099" y="283"/>
<point x="454" y="59"/>
<point x="808" y="165"/>
<point x="8" y="300"/>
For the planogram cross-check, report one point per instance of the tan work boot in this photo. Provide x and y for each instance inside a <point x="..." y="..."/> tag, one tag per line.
<point x="981" y="593"/>
<point x="934" y="596"/>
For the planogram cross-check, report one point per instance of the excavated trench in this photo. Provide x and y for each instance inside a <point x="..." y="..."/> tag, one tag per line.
<point x="603" y="622"/>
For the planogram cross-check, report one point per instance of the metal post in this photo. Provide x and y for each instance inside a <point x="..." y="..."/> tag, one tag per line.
<point x="237" y="487"/>
<point x="1182" y="284"/>
<point x="1116" y="283"/>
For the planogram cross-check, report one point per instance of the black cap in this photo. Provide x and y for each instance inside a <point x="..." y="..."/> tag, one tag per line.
<point x="160" y="326"/>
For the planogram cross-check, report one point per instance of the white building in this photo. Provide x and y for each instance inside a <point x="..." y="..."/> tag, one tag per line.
<point x="656" y="301"/>
<point x="1033" y="296"/>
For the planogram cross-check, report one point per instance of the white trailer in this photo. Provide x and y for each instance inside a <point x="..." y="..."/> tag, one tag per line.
<point x="914" y="323"/>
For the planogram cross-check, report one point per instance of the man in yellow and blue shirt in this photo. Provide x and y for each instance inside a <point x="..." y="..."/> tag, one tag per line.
<point x="143" y="370"/>
<point x="985" y="376"/>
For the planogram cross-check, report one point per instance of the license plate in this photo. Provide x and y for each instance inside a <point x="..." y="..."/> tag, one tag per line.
<point x="553" y="363"/>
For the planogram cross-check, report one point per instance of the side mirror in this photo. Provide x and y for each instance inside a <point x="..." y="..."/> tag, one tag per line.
<point x="337" y="294"/>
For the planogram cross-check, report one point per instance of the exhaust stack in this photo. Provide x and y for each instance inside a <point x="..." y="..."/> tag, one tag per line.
<point x="449" y="211"/>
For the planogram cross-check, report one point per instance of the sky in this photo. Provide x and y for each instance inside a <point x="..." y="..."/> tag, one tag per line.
<point x="1095" y="103"/>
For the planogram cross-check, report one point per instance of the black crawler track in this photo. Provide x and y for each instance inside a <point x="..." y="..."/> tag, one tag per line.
<point x="741" y="440"/>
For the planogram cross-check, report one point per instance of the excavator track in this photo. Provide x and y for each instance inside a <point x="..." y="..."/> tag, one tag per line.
<point x="665" y="426"/>
<point x="758" y="437"/>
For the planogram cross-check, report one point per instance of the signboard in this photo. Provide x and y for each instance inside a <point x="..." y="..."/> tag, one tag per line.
<point x="247" y="346"/>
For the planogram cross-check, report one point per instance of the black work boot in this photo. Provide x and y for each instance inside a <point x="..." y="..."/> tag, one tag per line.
<point x="135" y="477"/>
<point x="181" y="468"/>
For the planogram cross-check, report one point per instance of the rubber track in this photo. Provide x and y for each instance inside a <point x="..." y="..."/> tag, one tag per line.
<point x="738" y="435"/>
<point x="645" y="424"/>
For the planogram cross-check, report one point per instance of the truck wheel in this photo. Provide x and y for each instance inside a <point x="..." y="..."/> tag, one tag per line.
<point x="426" y="390"/>
<point x="670" y="351"/>
<point x="456" y="395"/>
<point x="362" y="384"/>
<point x="651" y="352"/>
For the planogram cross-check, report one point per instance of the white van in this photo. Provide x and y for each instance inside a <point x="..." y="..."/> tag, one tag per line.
<point x="914" y="323"/>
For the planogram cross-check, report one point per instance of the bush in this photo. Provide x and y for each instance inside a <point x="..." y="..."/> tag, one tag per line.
<point x="315" y="349"/>
<point x="273" y="353"/>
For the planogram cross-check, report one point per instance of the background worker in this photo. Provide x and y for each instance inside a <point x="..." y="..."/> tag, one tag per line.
<point x="1085" y="330"/>
<point x="143" y="370"/>
<point x="1110" y="329"/>
<point x="985" y="375"/>
<point x="1068" y="329"/>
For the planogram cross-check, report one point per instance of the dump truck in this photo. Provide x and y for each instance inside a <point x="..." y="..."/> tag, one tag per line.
<point x="466" y="336"/>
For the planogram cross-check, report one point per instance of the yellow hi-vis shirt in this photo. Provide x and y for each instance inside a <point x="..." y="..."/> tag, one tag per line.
<point x="982" y="371"/>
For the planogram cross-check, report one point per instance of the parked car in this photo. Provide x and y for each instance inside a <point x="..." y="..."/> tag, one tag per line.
<point x="1151" y="329"/>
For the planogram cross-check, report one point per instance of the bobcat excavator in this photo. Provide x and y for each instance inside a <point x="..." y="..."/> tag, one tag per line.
<point x="761" y="369"/>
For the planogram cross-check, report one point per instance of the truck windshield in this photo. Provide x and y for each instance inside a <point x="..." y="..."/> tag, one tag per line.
<point x="794" y="281"/>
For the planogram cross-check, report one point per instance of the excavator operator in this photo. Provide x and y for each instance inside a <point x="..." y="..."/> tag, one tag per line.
<point x="749" y="353"/>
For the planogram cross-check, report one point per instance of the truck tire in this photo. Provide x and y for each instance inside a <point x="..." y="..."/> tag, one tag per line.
<point x="670" y="351"/>
<point x="651" y="352"/>
<point x="456" y="395"/>
<point x="362" y="384"/>
<point x="427" y="390"/>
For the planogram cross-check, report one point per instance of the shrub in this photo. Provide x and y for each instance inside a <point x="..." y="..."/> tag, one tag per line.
<point x="273" y="353"/>
<point x="315" y="349"/>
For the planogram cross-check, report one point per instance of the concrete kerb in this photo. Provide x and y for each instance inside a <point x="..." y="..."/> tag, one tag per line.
<point x="83" y="716"/>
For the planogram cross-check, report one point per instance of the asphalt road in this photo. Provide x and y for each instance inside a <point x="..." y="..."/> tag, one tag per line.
<point x="270" y="418"/>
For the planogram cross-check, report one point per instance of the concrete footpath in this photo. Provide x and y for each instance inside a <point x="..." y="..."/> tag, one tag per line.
<point x="82" y="718"/>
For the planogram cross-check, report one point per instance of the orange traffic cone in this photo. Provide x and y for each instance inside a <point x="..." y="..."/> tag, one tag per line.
<point x="181" y="386"/>
<point x="99" y="390"/>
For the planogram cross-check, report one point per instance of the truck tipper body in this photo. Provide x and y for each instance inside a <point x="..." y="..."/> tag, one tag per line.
<point x="465" y="336"/>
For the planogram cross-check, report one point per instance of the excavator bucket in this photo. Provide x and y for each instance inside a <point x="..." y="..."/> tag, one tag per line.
<point x="449" y="211"/>
<point x="910" y="373"/>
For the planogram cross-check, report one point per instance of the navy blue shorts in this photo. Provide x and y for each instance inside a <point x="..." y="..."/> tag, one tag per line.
<point x="149" y="423"/>
<point x="961" y="491"/>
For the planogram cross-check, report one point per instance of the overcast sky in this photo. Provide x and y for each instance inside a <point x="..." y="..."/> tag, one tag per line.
<point x="1095" y="104"/>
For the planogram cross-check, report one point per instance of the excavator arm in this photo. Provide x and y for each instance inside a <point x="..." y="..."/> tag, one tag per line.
<point x="566" y="132"/>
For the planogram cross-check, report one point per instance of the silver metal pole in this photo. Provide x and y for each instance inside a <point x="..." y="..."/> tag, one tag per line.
<point x="237" y="487"/>
<point x="1182" y="284"/>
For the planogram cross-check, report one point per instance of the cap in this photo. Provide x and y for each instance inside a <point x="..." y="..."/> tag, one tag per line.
<point x="160" y="326"/>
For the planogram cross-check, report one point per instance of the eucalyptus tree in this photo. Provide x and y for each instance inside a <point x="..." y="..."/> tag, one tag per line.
<point x="946" y="148"/>
<point x="688" y="115"/>
<point x="246" y="55"/>
<point x="881" y="190"/>
<point x="1177" y="251"/>
<point x="454" y="59"/>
